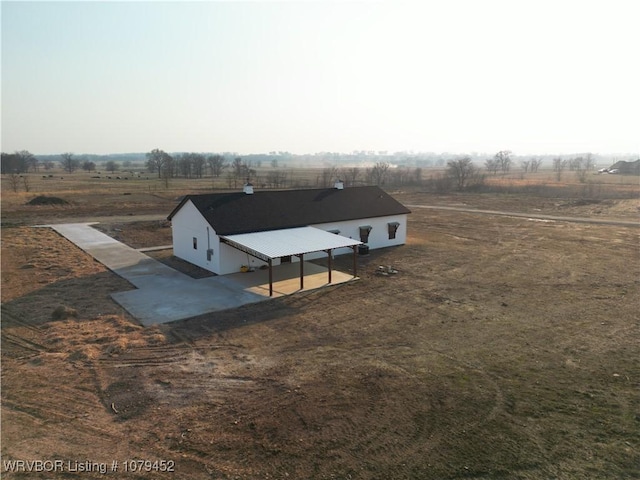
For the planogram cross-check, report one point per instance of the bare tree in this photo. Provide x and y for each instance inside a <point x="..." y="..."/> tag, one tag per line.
<point x="525" y="164"/>
<point x="504" y="160"/>
<point x="183" y="165"/>
<point x="417" y="175"/>
<point x="232" y="180"/>
<point x="581" y="167"/>
<point x="240" y="169"/>
<point x="69" y="164"/>
<point x="379" y="172"/>
<point x="28" y="161"/>
<point x="276" y="178"/>
<point x="400" y="176"/>
<point x="572" y="162"/>
<point x="155" y="160"/>
<point x="14" y="181"/>
<point x="461" y="171"/>
<point x="535" y="163"/>
<point x="190" y="164"/>
<point x="10" y="163"/>
<point x="492" y="165"/>
<point x="250" y="171"/>
<point x="197" y="164"/>
<point x="26" y="183"/>
<point x="441" y="183"/>
<point x="88" y="166"/>
<point x="237" y="166"/>
<point x="23" y="162"/>
<point x="111" y="166"/>
<point x="328" y="175"/>
<point x="590" y="164"/>
<point x="217" y="163"/>
<point x="559" y="164"/>
<point x="350" y="175"/>
<point x="168" y="168"/>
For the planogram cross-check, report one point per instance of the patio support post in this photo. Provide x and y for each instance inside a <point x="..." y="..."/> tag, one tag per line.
<point x="355" y="262"/>
<point x="270" y="278"/>
<point x="329" y="263"/>
<point x="301" y="257"/>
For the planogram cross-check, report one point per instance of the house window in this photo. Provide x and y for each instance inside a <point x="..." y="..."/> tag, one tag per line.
<point x="364" y="233"/>
<point x="393" y="228"/>
<point x="195" y="243"/>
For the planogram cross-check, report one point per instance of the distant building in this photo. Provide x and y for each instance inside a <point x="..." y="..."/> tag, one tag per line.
<point x="627" y="168"/>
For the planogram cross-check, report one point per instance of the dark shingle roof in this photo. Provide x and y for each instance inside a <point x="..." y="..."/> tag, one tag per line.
<point x="237" y="212"/>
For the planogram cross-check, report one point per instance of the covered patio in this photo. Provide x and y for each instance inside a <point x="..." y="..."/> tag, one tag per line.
<point x="286" y="279"/>
<point x="273" y="244"/>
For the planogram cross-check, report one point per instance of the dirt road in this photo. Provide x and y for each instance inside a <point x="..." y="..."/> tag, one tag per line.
<point x="535" y="216"/>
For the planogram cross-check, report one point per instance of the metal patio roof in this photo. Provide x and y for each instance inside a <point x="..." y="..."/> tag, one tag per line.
<point x="289" y="241"/>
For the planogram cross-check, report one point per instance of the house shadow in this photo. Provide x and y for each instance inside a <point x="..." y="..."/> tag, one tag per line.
<point x="195" y="328"/>
<point x="27" y="319"/>
<point x="283" y="305"/>
<point x="88" y="296"/>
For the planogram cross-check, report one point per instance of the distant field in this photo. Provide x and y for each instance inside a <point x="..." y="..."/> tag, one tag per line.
<point x="142" y="193"/>
<point x="79" y="184"/>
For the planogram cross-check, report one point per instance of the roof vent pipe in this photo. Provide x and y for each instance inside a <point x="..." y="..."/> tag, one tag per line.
<point x="339" y="185"/>
<point x="248" y="188"/>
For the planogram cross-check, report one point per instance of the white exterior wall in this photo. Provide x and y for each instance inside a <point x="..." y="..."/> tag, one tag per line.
<point x="231" y="259"/>
<point x="378" y="237"/>
<point x="188" y="223"/>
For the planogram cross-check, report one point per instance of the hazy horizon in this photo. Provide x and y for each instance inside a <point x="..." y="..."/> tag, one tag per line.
<point x="536" y="78"/>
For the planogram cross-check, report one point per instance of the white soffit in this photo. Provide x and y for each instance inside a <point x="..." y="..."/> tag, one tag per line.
<point x="291" y="241"/>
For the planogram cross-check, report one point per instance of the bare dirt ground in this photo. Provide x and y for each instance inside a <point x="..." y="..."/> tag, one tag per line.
<point x="504" y="348"/>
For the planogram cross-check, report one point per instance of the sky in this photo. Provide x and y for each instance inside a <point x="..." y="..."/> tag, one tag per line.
<point x="530" y="76"/>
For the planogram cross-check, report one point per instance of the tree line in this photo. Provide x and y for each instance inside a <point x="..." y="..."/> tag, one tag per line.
<point x="23" y="161"/>
<point x="460" y="173"/>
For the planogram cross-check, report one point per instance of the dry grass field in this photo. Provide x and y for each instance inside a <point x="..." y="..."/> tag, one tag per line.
<point x="504" y="348"/>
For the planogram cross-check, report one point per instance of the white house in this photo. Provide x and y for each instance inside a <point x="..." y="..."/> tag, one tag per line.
<point x="222" y="232"/>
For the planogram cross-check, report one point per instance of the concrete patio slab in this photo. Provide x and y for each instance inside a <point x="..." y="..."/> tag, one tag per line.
<point x="286" y="279"/>
<point x="177" y="300"/>
<point x="165" y="295"/>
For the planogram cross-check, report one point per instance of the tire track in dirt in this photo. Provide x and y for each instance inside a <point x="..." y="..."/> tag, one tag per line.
<point x="397" y="433"/>
<point x="537" y="216"/>
<point x="29" y="353"/>
<point x="380" y="409"/>
<point x="499" y="407"/>
<point x="19" y="338"/>
<point x="145" y="357"/>
<point x="119" y="380"/>
<point x="70" y="405"/>
<point x="32" y="348"/>
<point x="129" y="383"/>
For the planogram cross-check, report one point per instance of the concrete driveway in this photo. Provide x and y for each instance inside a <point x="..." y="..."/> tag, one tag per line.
<point x="165" y="295"/>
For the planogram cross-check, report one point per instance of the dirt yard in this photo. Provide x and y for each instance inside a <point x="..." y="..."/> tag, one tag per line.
<point x="504" y="348"/>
